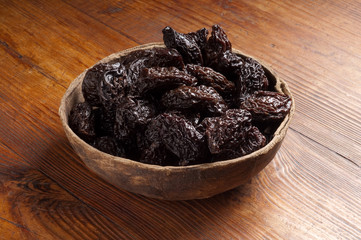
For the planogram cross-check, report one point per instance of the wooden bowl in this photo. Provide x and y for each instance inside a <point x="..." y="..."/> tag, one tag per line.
<point x="172" y="182"/>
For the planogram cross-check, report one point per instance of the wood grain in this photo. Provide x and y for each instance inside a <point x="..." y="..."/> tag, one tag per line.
<point x="311" y="190"/>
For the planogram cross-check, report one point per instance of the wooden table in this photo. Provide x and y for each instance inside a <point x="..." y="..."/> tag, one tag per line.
<point x="312" y="188"/>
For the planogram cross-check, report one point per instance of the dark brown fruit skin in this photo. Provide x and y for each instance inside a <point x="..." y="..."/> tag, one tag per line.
<point x="136" y="61"/>
<point x="229" y="64"/>
<point x="266" y="106"/>
<point x="251" y="79"/>
<point x="105" y="120"/>
<point x="132" y="115"/>
<point x="232" y="135"/>
<point x="109" y="145"/>
<point x="217" y="44"/>
<point x="82" y="121"/>
<point x="253" y="141"/>
<point x="112" y="87"/>
<point x="188" y="45"/>
<point x="91" y="82"/>
<point x="200" y="98"/>
<point x="160" y="79"/>
<point x="178" y="136"/>
<point x="207" y="76"/>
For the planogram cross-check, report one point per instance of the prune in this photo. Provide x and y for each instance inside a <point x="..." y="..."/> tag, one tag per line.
<point x="91" y="82"/>
<point x="232" y="134"/>
<point x="178" y="135"/>
<point x="188" y="45"/>
<point x="207" y="76"/>
<point x="193" y="117"/>
<point x="112" y="86"/>
<point x="132" y="115"/>
<point x="161" y="79"/>
<point x="200" y="37"/>
<point x="109" y="145"/>
<point x="251" y="79"/>
<point x="105" y="117"/>
<point x="267" y="106"/>
<point x="82" y="121"/>
<point x="229" y="64"/>
<point x="217" y="44"/>
<point x="201" y="98"/>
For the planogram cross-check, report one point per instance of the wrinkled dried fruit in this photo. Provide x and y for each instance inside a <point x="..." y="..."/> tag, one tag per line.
<point x="178" y="136"/>
<point x="200" y="98"/>
<point x="161" y="79"/>
<point x="251" y="79"/>
<point x="132" y="115"/>
<point x="188" y="45"/>
<point x="92" y="79"/>
<point x="82" y="121"/>
<point x="207" y="76"/>
<point x="267" y="106"/>
<point x="109" y="145"/>
<point x="232" y="135"/>
<point x="217" y="44"/>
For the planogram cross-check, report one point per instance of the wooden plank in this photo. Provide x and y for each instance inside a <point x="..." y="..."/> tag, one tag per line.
<point x="310" y="190"/>
<point x="34" y="207"/>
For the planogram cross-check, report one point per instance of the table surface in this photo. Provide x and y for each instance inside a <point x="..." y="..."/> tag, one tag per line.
<point x="312" y="188"/>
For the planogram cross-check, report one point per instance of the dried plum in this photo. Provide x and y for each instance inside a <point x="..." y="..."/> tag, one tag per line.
<point x="232" y="135"/>
<point x="189" y="45"/>
<point x="207" y="76"/>
<point x="82" y="121"/>
<point x="161" y="79"/>
<point x="178" y="135"/>
<point x="92" y="79"/>
<point x="201" y="98"/>
<point x="132" y="115"/>
<point x="217" y="44"/>
<point x="109" y="145"/>
<point x="267" y="106"/>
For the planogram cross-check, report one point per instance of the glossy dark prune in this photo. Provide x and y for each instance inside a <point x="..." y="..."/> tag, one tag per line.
<point x="267" y="106"/>
<point x="207" y="76"/>
<point x="232" y="135"/>
<point x="112" y="87"/>
<point x="178" y="135"/>
<point x="132" y="115"/>
<point x="91" y="82"/>
<point x="217" y="44"/>
<point x="109" y="145"/>
<point x="227" y="131"/>
<point x="201" y="98"/>
<point x="105" y="117"/>
<point x="251" y="79"/>
<point x="82" y="121"/>
<point x="193" y="117"/>
<point x="188" y="45"/>
<point x="229" y="64"/>
<point x="161" y="79"/>
<point x="253" y="141"/>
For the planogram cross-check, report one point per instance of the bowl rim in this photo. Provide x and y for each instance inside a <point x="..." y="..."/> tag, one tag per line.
<point x="281" y="86"/>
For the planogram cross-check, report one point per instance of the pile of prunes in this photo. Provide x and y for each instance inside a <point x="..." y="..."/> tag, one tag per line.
<point x="191" y="102"/>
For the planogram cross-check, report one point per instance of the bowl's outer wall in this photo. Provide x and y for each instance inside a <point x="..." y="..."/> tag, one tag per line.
<point x="169" y="183"/>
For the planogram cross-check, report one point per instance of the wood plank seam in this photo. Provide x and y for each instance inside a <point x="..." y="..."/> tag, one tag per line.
<point x="313" y="140"/>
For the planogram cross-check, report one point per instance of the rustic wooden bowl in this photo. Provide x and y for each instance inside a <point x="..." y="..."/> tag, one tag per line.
<point x="169" y="182"/>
